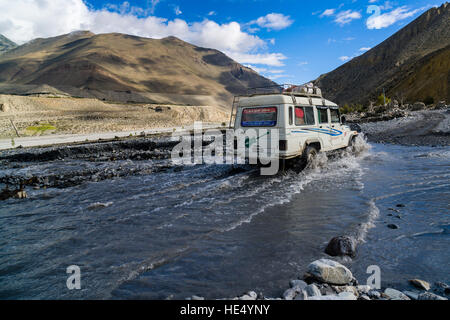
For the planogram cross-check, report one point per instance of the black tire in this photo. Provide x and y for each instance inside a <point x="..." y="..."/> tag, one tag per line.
<point x="351" y="143"/>
<point x="309" y="154"/>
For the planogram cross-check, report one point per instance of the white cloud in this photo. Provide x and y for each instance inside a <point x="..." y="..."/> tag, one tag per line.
<point x="345" y="58"/>
<point x="347" y="16"/>
<point x="273" y="21"/>
<point x="269" y="59"/>
<point x="364" y="49"/>
<point x="23" y="20"/>
<point x="302" y="63"/>
<point x="212" y="13"/>
<point x="177" y="10"/>
<point x="389" y="18"/>
<point x="328" y="13"/>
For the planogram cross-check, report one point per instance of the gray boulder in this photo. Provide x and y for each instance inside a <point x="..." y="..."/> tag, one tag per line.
<point x="418" y="106"/>
<point x="298" y="285"/>
<point x="341" y="246"/>
<point x="393" y="294"/>
<point x="289" y="294"/>
<point x="329" y="271"/>
<point x="313" y="291"/>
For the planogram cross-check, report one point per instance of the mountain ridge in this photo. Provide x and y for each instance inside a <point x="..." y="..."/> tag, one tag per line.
<point x="394" y="65"/>
<point x="6" y="44"/>
<point x="127" y="68"/>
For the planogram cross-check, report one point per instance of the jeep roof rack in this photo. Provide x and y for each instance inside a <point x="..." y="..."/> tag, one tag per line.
<point x="306" y="90"/>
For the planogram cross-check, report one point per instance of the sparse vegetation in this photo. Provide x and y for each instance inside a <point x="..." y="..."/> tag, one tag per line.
<point x="40" y="129"/>
<point x="352" y="108"/>
<point x="381" y="100"/>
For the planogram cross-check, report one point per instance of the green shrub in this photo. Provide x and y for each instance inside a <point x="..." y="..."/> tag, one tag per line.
<point x="380" y="100"/>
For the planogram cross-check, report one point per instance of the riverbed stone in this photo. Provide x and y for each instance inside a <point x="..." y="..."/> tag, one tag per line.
<point x="341" y="246"/>
<point x="312" y="290"/>
<point x="298" y="285"/>
<point x="289" y="294"/>
<point x="374" y="294"/>
<point x="430" y="296"/>
<point x="329" y="271"/>
<point x="363" y="289"/>
<point x="302" y="295"/>
<point x="341" y="296"/>
<point x="421" y="284"/>
<point x="392" y="226"/>
<point x="412" y="295"/>
<point x="251" y="295"/>
<point x="393" y="294"/>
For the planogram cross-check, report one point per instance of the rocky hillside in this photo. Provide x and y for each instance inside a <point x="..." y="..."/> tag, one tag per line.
<point x="412" y="65"/>
<point x="119" y="67"/>
<point x="6" y="44"/>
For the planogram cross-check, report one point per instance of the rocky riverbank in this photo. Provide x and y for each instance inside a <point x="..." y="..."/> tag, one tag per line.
<point x="327" y="279"/>
<point x="415" y="128"/>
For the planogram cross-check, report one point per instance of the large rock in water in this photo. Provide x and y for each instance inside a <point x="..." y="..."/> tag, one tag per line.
<point x="330" y="271"/>
<point x="341" y="246"/>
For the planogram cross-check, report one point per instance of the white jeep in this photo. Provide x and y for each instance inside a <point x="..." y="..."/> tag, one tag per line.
<point x="305" y="122"/>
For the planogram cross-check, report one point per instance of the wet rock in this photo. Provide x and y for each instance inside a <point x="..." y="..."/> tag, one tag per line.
<point x="395" y="294"/>
<point x="351" y="289"/>
<point x="430" y="296"/>
<point x="341" y="246"/>
<point x="251" y="295"/>
<point x="326" y="289"/>
<point x="363" y="289"/>
<point x="313" y="291"/>
<point x="197" y="298"/>
<point x="298" y="285"/>
<point x="393" y="226"/>
<point x="418" y="106"/>
<point x="302" y="295"/>
<point x="420" y="284"/>
<point x="441" y="288"/>
<point x="400" y="205"/>
<point x="364" y="297"/>
<point x="374" y="294"/>
<point x="289" y="294"/>
<point x="340" y="296"/>
<point x="329" y="271"/>
<point x="412" y="295"/>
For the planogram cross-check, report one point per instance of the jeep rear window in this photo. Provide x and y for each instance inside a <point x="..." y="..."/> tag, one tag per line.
<point x="259" y="117"/>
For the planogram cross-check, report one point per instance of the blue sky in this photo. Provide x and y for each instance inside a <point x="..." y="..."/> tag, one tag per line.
<point x="287" y="40"/>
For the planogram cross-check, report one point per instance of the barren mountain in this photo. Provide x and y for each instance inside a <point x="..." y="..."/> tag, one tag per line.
<point x="6" y="44"/>
<point x="412" y="65"/>
<point x="119" y="67"/>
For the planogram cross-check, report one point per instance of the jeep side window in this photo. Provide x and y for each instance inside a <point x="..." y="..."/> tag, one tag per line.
<point x="323" y="115"/>
<point x="304" y="116"/>
<point x="335" y="116"/>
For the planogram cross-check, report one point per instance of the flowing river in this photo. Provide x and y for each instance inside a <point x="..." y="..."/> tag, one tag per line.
<point x="216" y="232"/>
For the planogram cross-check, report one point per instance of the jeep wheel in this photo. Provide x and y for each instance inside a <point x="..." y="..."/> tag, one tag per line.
<point x="310" y="153"/>
<point x="351" y="143"/>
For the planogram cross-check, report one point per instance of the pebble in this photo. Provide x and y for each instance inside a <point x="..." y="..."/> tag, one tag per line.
<point x="420" y="284"/>
<point x="392" y="226"/>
